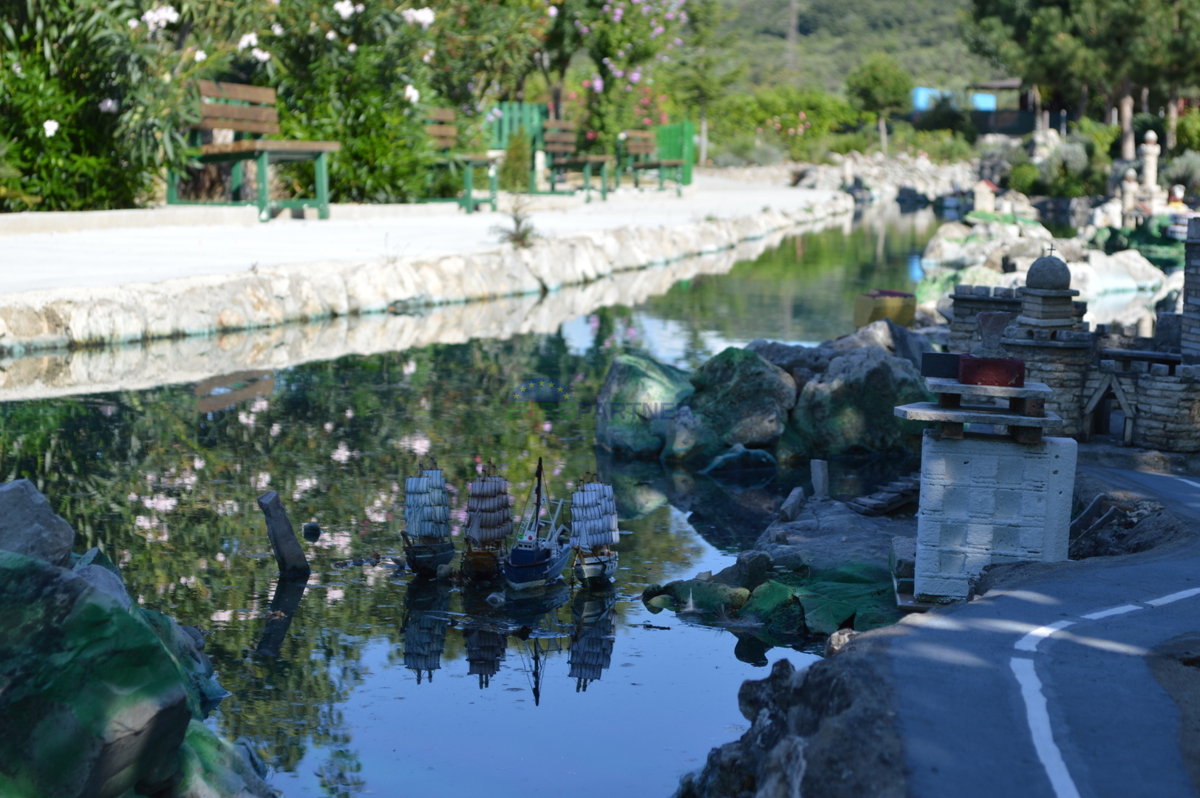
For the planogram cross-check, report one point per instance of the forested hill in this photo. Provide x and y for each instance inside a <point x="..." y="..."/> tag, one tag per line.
<point x="835" y="35"/>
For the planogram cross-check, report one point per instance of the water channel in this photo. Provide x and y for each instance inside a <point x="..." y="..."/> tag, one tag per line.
<point x="382" y="685"/>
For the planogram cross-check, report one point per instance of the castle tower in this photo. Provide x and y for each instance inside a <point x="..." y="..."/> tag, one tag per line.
<point x="1046" y="338"/>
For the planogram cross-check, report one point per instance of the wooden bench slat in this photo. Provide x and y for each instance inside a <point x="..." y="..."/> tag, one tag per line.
<point x="252" y="113"/>
<point x="269" y="145"/>
<point x="238" y="125"/>
<point x="639" y="134"/>
<point x="559" y="137"/>
<point x="558" y="124"/>
<point x="237" y="91"/>
<point x="560" y="148"/>
<point x="442" y="131"/>
<point x="442" y="114"/>
<point x="444" y="143"/>
<point x="654" y="164"/>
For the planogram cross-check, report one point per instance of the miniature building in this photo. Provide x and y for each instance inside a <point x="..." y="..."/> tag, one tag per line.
<point x="987" y="497"/>
<point x="1095" y="372"/>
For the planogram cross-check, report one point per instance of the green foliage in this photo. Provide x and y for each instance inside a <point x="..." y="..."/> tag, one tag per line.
<point x="1024" y="177"/>
<point x="1102" y="137"/>
<point x="779" y="119"/>
<point x="522" y="234"/>
<point x="945" y="115"/>
<point x="879" y="85"/>
<point x="1187" y="132"/>
<point x="518" y="161"/>
<point x="1183" y="169"/>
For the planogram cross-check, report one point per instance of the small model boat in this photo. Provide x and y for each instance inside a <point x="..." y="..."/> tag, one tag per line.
<point x="594" y="530"/>
<point x="427" y="543"/>
<point x="535" y="560"/>
<point x="489" y="522"/>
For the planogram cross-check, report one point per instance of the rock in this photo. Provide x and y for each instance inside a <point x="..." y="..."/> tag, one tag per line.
<point x="29" y="526"/>
<point x="819" y="470"/>
<point x="888" y="335"/>
<point x="94" y="556"/>
<point x="838" y="640"/>
<point x="825" y="535"/>
<point x="214" y="767"/>
<point x="185" y="644"/>
<point x="776" y="606"/>
<point x="660" y="603"/>
<point x="113" y="710"/>
<point x="636" y="403"/>
<point x="289" y="554"/>
<point x="751" y="570"/>
<point x="105" y="581"/>
<point x="739" y="458"/>
<point x="793" y="358"/>
<point x="445" y="571"/>
<point x="792" y="505"/>
<point x="850" y="409"/>
<point x="739" y="398"/>
<point x="693" y="595"/>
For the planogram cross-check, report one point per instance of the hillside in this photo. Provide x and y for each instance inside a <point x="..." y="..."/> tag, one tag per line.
<point x="835" y="35"/>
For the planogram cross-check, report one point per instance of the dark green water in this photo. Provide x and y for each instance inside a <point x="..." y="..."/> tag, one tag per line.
<point x="166" y="480"/>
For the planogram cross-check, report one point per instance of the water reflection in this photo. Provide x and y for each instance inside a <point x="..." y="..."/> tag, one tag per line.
<point x="166" y="487"/>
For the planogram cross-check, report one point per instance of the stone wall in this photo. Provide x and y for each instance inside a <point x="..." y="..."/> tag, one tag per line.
<point x="1191" y="294"/>
<point x="56" y="319"/>
<point x="970" y="301"/>
<point x="986" y="500"/>
<point x="1168" y="409"/>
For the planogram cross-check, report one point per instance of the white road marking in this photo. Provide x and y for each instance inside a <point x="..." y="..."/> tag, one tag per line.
<point x="1172" y="597"/>
<point x="1030" y="641"/>
<point x="1124" y="608"/>
<point x="1039" y="726"/>
<point x="1189" y="482"/>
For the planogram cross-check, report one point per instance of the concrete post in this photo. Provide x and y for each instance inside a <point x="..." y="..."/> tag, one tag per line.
<point x="820" y="479"/>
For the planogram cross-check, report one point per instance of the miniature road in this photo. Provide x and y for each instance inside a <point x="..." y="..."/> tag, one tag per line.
<point x="119" y="256"/>
<point x="1044" y="691"/>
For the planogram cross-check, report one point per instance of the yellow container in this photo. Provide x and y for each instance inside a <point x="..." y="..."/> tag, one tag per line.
<point x="884" y="304"/>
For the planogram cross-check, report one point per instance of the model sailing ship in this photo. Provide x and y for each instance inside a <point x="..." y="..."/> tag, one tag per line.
<point x="427" y="543"/>
<point x="489" y="522"/>
<point x="534" y="560"/>
<point x="594" y="530"/>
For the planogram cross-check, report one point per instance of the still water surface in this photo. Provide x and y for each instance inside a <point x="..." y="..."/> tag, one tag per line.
<point x="381" y="685"/>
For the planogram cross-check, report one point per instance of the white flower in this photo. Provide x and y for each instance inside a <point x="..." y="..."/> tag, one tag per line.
<point x="418" y="16"/>
<point x="261" y="481"/>
<point x="51" y="127"/>
<point x="276" y="428"/>
<point x="200" y="56"/>
<point x="160" y="17"/>
<point x="359" y="8"/>
<point x="277" y="29"/>
<point x="427" y="57"/>
<point x="198" y="463"/>
<point x="262" y="56"/>
<point x="259" y="405"/>
<point x="344" y="8"/>
<point x="352" y="47"/>
<point x="552" y="11"/>
<point x="410" y="94"/>
<point x="331" y="36"/>
<point x="108" y="106"/>
<point x="248" y="40"/>
<point x="17" y="69"/>
<point x="341" y="454"/>
<point x="133" y="23"/>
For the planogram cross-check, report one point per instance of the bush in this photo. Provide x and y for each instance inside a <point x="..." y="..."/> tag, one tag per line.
<point x="518" y="161"/>
<point x="944" y="115"/>
<point x="1024" y="177"/>
<point x="1187" y="131"/>
<point x="1184" y="169"/>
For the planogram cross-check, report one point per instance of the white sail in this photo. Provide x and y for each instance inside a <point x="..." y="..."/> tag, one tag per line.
<point x="594" y="516"/>
<point x="426" y="509"/>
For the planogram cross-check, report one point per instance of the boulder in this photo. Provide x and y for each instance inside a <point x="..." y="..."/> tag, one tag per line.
<point x="109" y="713"/>
<point x="739" y="458"/>
<point x="185" y="644"/>
<point x="792" y="505"/>
<point x="739" y="398"/>
<point x="29" y="526"/>
<point x="775" y="605"/>
<point x="695" y="595"/>
<point x="827" y="534"/>
<point x="791" y="357"/>
<point x="887" y="335"/>
<point x="635" y="405"/>
<point x="850" y="409"/>
<point x="751" y="570"/>
<point x="212" y="766"/>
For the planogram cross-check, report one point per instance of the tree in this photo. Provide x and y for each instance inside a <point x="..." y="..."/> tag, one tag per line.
<point x="880" y="86"/>
<point x="706" y="67"/>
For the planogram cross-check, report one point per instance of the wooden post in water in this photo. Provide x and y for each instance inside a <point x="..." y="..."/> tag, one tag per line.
<point x="288" y="552"/>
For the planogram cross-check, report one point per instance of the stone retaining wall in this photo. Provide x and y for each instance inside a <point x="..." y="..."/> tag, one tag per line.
<point x="1168" y="409"/>
<point x="206" y="305"/>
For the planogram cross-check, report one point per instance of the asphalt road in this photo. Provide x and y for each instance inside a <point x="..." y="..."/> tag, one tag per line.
<point x="1044" y="691"/>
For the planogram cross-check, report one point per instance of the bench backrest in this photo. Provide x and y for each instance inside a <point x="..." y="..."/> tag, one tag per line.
<point x="238" y="107"/>
<point x="641" y="142"/>
<point x="441" y="128"/>
<point x="559" y="135"/>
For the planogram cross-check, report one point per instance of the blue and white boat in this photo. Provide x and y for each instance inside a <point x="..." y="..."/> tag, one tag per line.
<point x="534" y="560"/>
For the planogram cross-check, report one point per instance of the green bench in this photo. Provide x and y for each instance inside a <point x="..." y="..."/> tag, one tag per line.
<point x="639" y="150"/>
<point x="443" y="131"/>
<point x="562" y="156"/>
<point x="249" y="111"/>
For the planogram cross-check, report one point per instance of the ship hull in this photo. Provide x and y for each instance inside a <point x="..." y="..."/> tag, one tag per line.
<point x="525" y="576"/>
<point x="481" y="565"/>
<point x="425" y="558"/>
<point x="595" y="568"/>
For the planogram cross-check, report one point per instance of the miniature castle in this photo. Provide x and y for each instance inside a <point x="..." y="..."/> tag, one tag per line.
<point x="1153" y="381"/>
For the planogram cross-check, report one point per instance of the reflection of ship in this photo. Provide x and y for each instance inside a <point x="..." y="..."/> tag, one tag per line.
<point x="485" y="651"/>
<point x="593" y="530"/>
<point x="489" y="522"/>
<point x="592" y="636"/>
<point x="538" y="626"/>
<point x="427" y="521"/>
<point x="426" y="619"/>
<point x="535" y="561"/>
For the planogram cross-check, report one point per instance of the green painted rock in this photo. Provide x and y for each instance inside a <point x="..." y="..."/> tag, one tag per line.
<point x="776" y="606"/>
<point x="91" y="702"/>
<point x="659" y="603"/>
<point x="212" y="766"/>
<point x="639" y="398"/>
<point x="739" y="398"/>
<point x="693" y="594"/>
<point x="850" y="408"/>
